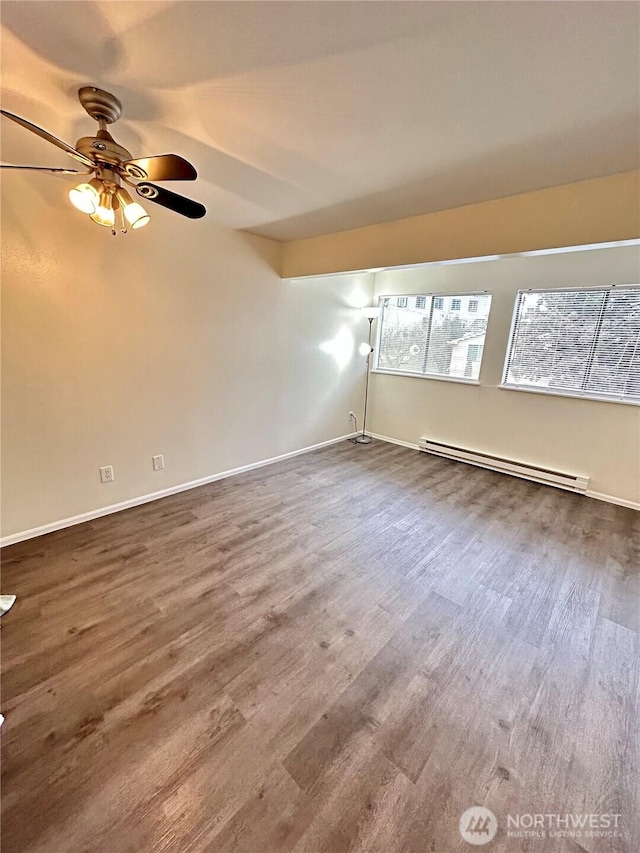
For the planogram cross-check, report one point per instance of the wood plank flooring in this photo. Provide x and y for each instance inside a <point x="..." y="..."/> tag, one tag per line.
<point x="340" y="652"/>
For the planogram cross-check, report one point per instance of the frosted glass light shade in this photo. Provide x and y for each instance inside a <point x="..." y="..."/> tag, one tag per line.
<point x="136" y="215"/>
<point x="86" y="197"/>
<point x="371" y="312"/>
<point x="105" y="214"/>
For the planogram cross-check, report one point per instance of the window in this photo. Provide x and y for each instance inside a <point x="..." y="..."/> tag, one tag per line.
<point x="402" y="301"/>
<point x="473" y="305"/>
<point x="427" y="338"/>
<point x="584" y="342"/>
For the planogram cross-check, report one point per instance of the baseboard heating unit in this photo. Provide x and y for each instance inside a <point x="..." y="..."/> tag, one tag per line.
<point x="559" y="479"/>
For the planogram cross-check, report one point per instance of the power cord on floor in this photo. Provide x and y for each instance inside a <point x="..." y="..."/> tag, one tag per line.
<point x="355" y="423"/>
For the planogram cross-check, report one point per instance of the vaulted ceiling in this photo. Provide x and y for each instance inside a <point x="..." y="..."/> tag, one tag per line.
<point x="305" y="118"/>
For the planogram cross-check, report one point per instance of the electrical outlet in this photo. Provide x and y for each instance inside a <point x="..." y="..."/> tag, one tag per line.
<point x="158" y="462"/>
<point x="106" y="474"/>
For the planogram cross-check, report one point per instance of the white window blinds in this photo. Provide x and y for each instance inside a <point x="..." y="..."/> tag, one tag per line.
<point x="584" y="342"/>
<point x="433" y="336"/>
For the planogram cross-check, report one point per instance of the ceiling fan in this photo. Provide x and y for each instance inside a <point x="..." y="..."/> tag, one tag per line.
<point x="103" y="196"/>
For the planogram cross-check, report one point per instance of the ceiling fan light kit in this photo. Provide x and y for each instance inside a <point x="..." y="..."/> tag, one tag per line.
<point x="105" y="214"/>
<point x="85" y="197"/>
<point x="103" y="197"/>
<point x="134" y="213"/>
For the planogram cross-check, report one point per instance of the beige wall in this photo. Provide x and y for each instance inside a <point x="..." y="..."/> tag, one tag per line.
<point x="595" y="211"/>
<point x="183" y="340"/>
<point x="598" y="439"/>
<point x="179" y="339"/>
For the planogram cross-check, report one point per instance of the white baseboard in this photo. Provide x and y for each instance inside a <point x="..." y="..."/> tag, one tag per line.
<point x="394" y="441"/>
<point x="599" y="496"/>
<point x="612" y="499"/>
<point x="193" y="484"/>
<point x="164" y="493"/>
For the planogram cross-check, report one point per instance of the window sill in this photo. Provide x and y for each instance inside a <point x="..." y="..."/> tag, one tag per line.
<point x="573" y="395"/>
<point x="458" y="379"/>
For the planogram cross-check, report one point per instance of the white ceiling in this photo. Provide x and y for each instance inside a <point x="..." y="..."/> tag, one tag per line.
<point x="305" y="118"/>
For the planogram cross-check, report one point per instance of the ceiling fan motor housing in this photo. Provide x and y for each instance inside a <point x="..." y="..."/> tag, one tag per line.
<point x="103" y="148"/>
<point x="100" y="104"/>
<point x="105" y="108"/>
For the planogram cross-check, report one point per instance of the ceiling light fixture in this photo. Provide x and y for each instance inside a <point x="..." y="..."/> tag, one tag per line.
<point x="105" y="213"/>
<point x="110" y="165"/>
<point x="101" y="198"/>
<point x="134" y="213"/>
<point x="86" y="197"/>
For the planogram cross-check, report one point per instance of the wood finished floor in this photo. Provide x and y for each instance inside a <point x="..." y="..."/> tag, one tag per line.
<point x="340" y="652"/>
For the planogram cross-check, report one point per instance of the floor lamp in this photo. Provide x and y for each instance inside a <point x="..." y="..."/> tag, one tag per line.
<point x="366" y="349"/>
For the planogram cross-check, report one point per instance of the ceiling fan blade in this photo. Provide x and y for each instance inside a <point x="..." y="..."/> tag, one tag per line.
<point x="163" y="167"/>
<point x="49" y="137"/>
<point x="175" y="202"/>
<point x="44" y="169"/>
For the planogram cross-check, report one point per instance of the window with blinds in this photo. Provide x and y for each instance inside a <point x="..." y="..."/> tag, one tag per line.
<point x="582" y="342"/>
<point x="427" y="335"/>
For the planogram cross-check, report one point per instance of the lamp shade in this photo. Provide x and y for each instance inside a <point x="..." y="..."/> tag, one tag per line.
<point x="104" y="214"/>
<point x="371" y="312"/>
<point x="135" y="213"/>
<point x="365" y="349"/>
<point x="86" y="197"/>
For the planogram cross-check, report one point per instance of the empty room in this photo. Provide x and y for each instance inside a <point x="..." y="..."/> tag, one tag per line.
<point x="320" y="425"/>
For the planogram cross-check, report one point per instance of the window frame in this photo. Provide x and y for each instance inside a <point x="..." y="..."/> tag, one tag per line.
<point x="560" y="392"/>
<point x="430" y="295"/>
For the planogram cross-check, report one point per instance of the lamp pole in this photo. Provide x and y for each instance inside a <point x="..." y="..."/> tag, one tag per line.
<point x="366" y="439"/>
